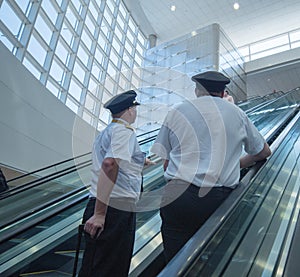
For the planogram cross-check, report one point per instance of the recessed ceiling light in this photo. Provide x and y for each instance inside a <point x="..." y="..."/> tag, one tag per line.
<point x="193" y="33"/>
<point x="173" y="8"/>
<point x="236" y="6"/>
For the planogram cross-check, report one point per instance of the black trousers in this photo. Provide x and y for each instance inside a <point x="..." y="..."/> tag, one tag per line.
<point x="111" y="253"/>
<point x="182" y="217"/>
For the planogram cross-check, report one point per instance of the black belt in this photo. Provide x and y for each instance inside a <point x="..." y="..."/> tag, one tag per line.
<point x="223" y="189"/>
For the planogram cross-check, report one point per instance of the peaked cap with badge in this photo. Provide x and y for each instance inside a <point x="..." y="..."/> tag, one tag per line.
<point x="121" y="102"/>
<point x="212" y="81"/>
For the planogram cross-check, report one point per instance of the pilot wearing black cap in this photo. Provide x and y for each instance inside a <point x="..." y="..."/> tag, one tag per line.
<point x="212" y="81"/>
<point x="115" y="187"/>
<point x="121" y="102"/>
<point x="201" y="141"/>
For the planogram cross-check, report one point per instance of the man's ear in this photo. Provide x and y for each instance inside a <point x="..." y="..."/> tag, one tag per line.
<point x="222" y="94"/>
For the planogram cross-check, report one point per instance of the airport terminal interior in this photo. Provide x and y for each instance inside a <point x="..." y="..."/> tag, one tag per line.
<point x="61" y="60"/>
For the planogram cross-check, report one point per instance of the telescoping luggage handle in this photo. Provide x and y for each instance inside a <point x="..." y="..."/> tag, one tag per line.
<point x="80" y="231"/>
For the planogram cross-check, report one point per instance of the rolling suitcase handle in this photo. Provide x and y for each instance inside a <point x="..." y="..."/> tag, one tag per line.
<point x="80" y="231"/>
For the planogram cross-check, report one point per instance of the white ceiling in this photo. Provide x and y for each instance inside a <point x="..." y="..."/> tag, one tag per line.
<point x="255" y="19"/>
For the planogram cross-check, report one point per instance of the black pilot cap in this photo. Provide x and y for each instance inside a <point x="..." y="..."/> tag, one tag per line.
<point x="121" y="102"/>
<point x="212" y="81"/>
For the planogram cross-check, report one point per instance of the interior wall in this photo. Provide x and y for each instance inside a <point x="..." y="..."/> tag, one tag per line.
<point x="36" y="128"/>
<point x="278" y="72"/>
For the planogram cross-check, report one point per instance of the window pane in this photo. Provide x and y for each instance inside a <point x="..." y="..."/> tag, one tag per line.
<point x="142" y="39"/>
<point x="62" y="52"/>
<point x="102" y="42"/>
<point x="75" y="90"/>
<point x="116" y="45"/>
<point x="56" y="71"/>
<point x="6" y="42"/>
<point x="114" y="58"/>
<point x="86" y="39"/>
<point x="43" y="29"/>
<point x="122" y="10"/>
<point x="10" y="19"/>
<point x="128" y="46"/>
<point x="93" y="10"/>
<point x="36" y="50"/>
<point x="90" y="24"/>
<point x="138" y="60"/>
<point x="72" y="105"/>
<point x="111" y="5"/>
<point x="118" y="32"/>
<point x="127" y="58"/>
<point x="104" y="115"/>
<point x="32" y="68"/>
<point x="79" y="72"/>
<point x="72" y="18"/>
<point x="109" y="85"/>
<point x="139" y="49"/>
<point x="90" y="103"/>
<point x="82" y="55"/>
<point x="100" y="126"/>
<point x="96" y="71"/>
<point x="50" y="10"/>
<point x="23" y="4"/>
<point x="52" y="88"/>
<point x="108" y="16"/>
<point x="77" y="5"/>
<point x="106" y="96"/>
<point x="99" y="55"/>
<point x="67" y="34"/>
<point x="111" y="70"/>
<point x="105" y="29"/>
<point x="121" y="22"/>
<point x="92" y="86"/>
<point x="131" y="25"/>
<point x="130" y="36"/>
<point x="87" y="117"/>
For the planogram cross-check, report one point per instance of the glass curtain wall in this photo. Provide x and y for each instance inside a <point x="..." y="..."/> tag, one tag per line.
<point x="83" y="51"/>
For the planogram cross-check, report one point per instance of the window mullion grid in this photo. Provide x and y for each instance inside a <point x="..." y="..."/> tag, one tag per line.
<point x="63" y="91"/>
<point x="34" y="62"/>
<point x="71" y="63"/>
<point x="51" y="46"/>
<point x="27" y="32"/>
<point x="87" y="73"/>
<point x="13" y="4"/>
<point x="54" y="41"/>
<point x="8" y="34"/>
<point x="109" y="45"/>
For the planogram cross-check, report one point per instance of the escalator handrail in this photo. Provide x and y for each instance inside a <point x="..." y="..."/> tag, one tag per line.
<point x="269" y="102"/>
<point x="42" y="180"/>
<point x="47" y="167"/>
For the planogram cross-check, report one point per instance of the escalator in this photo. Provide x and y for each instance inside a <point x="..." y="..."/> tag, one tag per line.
<point x="63" y="226"/>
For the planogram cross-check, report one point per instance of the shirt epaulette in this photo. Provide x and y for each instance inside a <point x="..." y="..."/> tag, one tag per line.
<point x="129" y="127"/>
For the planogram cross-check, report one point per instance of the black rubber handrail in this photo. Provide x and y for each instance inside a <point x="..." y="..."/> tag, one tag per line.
<point x="47" y="167"/>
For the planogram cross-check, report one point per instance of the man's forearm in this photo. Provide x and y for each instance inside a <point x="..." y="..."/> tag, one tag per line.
<point x="250" y="160"/>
